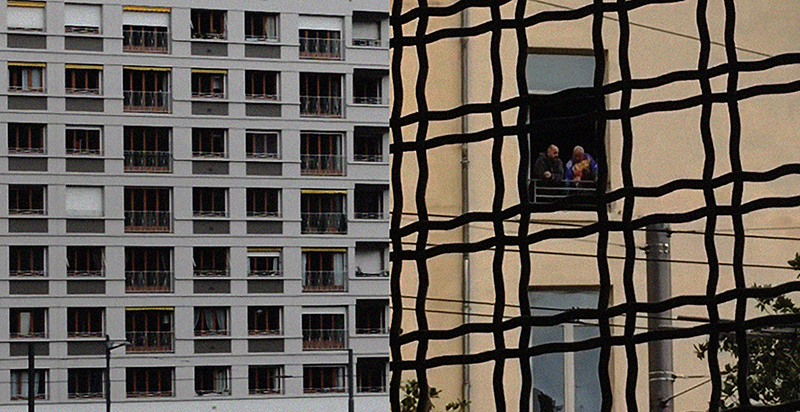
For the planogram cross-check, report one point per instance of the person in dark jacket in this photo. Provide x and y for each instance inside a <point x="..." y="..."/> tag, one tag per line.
<point x="548" y="168"/>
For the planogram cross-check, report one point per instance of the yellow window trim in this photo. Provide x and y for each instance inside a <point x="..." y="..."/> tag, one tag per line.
<point x="325" y="249"/>
<point x="154" y="308"/>
<point x="262" y="249"/>
<point x="83" y="66"/>
<point x="147" y="9"/>
<point x="210" y="71"/>
<point x="26" y="64"/>
<point x="147" y="68"/>
<point x="323" y="192"/>
<point x="18" y="3"/>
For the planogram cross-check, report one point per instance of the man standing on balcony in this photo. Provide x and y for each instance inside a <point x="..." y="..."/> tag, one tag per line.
<point x="548" y="169"/>
<point x="581" y="167"/>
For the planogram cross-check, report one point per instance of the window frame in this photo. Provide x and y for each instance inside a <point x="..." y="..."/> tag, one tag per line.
<point x="36" y="194"/>
<point x="144" y="149"/>
<point x="216" y="31"/>
<point x="218" y="266"/>
<point x="87" y="75"/>
<point x="269" y="82"/>
<point x="274" y="378"/>
<point x="76" y="29"/>
<point x="250" y="26"/>
<point x="35" y="131"/>
<point x="89" y="268"/>
<point x="206" y="325"/>
<point x="272" y="258"/>
<point x="25" y="5"/>
<point x="18" y="376"/>
<point x="268" y="196"/>
<point x="313" y="374"/>
<point x="88" y="378"/>
<point x="262" y="320"/>
<point x="37" y="323"/>
<point x="209" y="83"/>
<point x="257" y="144"/>
<point x="86" y="140"/>
<point x="22" y="77"/>
<point x="131" y="382"/>
<point x="216" y="148"/>
<point x="85" y="322"/>
<point x="205" y="375"/>
<point x="149" y="269"/>
<point x="210" y="202"/>
<point x="37" y="265"/>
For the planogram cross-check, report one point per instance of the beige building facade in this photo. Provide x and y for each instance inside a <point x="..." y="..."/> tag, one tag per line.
<point x="662" y="143"/>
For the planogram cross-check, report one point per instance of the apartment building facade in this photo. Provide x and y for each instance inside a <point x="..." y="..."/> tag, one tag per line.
<point x="205" y="184"/>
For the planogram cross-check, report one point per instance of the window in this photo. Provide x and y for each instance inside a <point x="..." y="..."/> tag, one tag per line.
<point x="84" y="322"/>
<point x="27" y="261"/>
<point x="368" y="144"/>
<point x="26" y="77"/>
<point x="323" y="331"/>
<point x="323" y="379"/>
<point x="559" y="381"/>
<point x="321" y="154"/>
<point x="368" y="86"/>
<point x="85" y="383"/>
<point x="145" y="29"/>
<point x="324" y="270"/>
<point x="26" y="138"/>
<point x="322" y="212"/>
<point x="147" y="149"/>
<point x="20" y="381"/>
<point x="208" y="24"/>
<point x="263" y="261"/>
<point x="149" y="329"/>
<point x="371" y="259"/>
<point x="25" y="15"/>
<point x="264" y="320"/>
<point x="83" y="79"/>
<point x="369" y="201"/>
<point x="211" y="321"/>
<point x="209" y="142"/>
<point x="146" y="89"/>
<point x="82" y="18"/>
<point x="261" y="84"/>
<point x="28" y="323"/>
<point x="84" y="140"/>
<point x="321" y="94"/>
<point x="84" y="201"/>
<point x="85" y="261"/>
<point x="371" y="374"/>
<point x="371" y="316"/>
<point x="367" y="28"/>
<point x="212" y="380"/>
<point x="210" y="201"/>
<point x="147" y="209"/>
<point x="260" y="26"/>
<point x="320" y="37"/>
<point x="262" y="380"/>
<point x="148" y="382"/>
<point x="211" y="261"/>
<point x="208" y="83"/>
<point x="262" y="145"/>
<point x="263" y="202"/>
<point x="567" y="122"/>
<point x="148" y="269"/>
<point x="26" y="200"/>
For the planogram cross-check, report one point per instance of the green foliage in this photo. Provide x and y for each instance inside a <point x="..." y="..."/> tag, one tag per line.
<point x="410" y="399"/>
<point x="774" y="358"/>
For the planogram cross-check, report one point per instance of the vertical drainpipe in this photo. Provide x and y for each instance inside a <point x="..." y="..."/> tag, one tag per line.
<point x="466" y="281"/>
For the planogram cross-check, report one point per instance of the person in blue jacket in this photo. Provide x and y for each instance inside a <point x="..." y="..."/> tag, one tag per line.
<point x="582" y="167"/>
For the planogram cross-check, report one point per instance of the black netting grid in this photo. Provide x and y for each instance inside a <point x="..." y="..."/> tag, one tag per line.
<point x="418" y="146"/>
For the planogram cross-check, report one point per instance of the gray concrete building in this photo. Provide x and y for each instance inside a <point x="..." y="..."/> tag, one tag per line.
<point x="204" y="183"/>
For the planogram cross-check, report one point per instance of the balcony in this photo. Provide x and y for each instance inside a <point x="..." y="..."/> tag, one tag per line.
<point x="321" y="106"/>
<point x="322" y="164"/>
<point x="147" y="221"/>
<point x="150" y="341"/>
<point x="148" y="281"/>
<point x="145" y="40"/>
<point x="148" y="161"/>
<point x="331" y="223"/>
<point x="582" y="194"/>
<point x="323" y="339"/>
<point x="323" y="281"/>
<point x="146" y="101"/>
<point x="321" y="48"/>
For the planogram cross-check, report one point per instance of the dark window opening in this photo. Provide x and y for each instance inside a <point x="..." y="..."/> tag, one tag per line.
<point x="26" y="138"/>
<point x="147" y="149"/>
<point x="259" y="26"/>
<point x="211" y="261"/>
<point x="149" y="330"/>
<point x="371" y="374"/>
<point x="264" y="320"/>
<point x="369" y="201"/>
<point x="321" y="154"/>
<point x="81" y="141"/>
<point x="260" y="84"/>
<point x="322" y="331"/>
<point x="262" y="380"/>
<point x="210" y="321"/>
<point x="22" y="78"/>
<point x="368" y="86"/>
<point x="208" y="83"/>
<point x="145" y="39"/>
<point x="263" y="262"/>
<point x="262" y="145"/>
<point x="20" y="381"/>
<point x="371" y="316"/>
<point x="368" y="144"/>
<point x="26" y="200"/>
<point x="321" y="94"/>
<point x="212" y="380"/>
<point x="145" y="90"/>
<point x="84" y="322"/>
<point x="147" y="209"/>
<point x="148" y="382"/>
<point x="85" y="261"/>
<point x="82" y="81"/>
<point x="85" y="383"/>
<point x="263" y="202"/>
<point x="323" y="213"/>
<point x="208" y="24"/>
<point x="209" y="201"/>
<point x="324" y="379"/>
<point x="208" y="143"/>
<point x="27" y="261"/>
<point x="320" y="44"/>
<point x="148" y="269"/>
<point x="28" y="323"/>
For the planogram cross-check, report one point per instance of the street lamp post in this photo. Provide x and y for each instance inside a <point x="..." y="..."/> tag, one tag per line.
<point x="110" y="345"/>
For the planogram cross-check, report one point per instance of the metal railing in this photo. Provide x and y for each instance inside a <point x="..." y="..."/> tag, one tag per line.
<point x="27" y="211"/>
<point x="262" y="96"/>
<point x="368" y="157"/>
<point x="323" y="281"/>
<point x="84" y="273"/>
<point x="26" y="150"/>
<point x="382" y="330"/>
<point x="376" y="100"/>
<point x="366" y="42"/>
<point x="321" y="106"/>
<point x="148" y="281"/>
<point x="146" y="101"/>
<point x="19" y="335"/>
<point x="380" y="274"/>
<point x="322" y="339"/>
<point x="150" y="394"/>
<point x="548" y="191"/>
<point x="257" y="332"/>
<point x="28" y="273"/>
<point x="324" y="222"/>
<point x="369" y="215"/>
<point x="264" y="273"/>
<point x="211" y="273"/>
<point x="147" y="341"/>
<point x="147" y="161"/>
<point x="321" y="164"/>
<point x="147" y="221"/>
<point x="372" y="389"/>
<point x="86" y="334"/>
<point x="82" y="90"/>
<point x="145" y="41"/>
<point x="315" y="48"/>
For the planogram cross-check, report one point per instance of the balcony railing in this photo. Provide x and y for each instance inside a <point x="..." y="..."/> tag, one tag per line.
<point x="375" y="100"/>
<point x="327" y="389"/>
<point x="85" y="334"/>
<point x="26" y="211"/>
<point x="148" y="281"/>
<point x="321" y="106"/>
<point x="368" y="157"/>
<point x="26" y="335"/>
<point x="26" y="273"/>
<point x="366" y="42"/>
<point x="543" y="192"/>
<point x="262" y="96"/>
<point x="26" y="150"/>
<point x="380" y="274"/>
<point x="146" y="101"/>
<point x="264" y="273"/>
<point x="256" y="332"/>
<point x="369" y="215"/>
<point x="149" y="341"/>
<point x="380" y="330"/>
<point x="84" y="273"/>
<point x="211" y="273"/>
<point x="323" y="281"/>
<point x="322" y="339"/>
<point x="324" y="222"/>
<point x="147" y="221"/>
<point x="145" y="41"/>
<point x="82" y="90"/>
<point x="315" y="48"/>
<point x="147" y="161"/>
<point x="151" y="394"/>
<point x="322" y="164"/>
